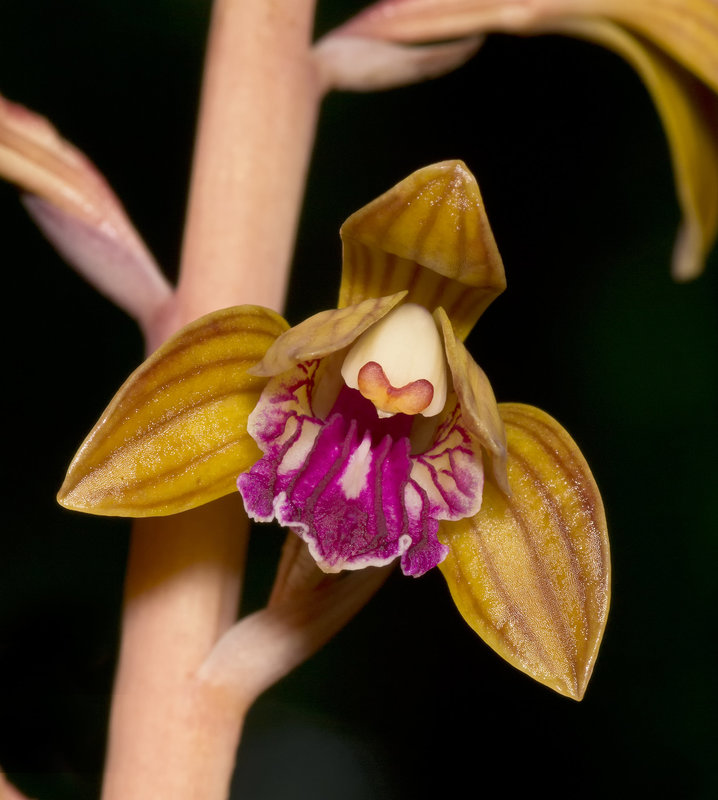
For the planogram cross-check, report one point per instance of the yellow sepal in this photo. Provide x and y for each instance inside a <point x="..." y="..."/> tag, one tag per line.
<point x="428" y="234"/>
<point x="530" y="573"/>
<point x="175" y="435"/>
<point x="685" y="29"/>
<point x="690" y="117"/>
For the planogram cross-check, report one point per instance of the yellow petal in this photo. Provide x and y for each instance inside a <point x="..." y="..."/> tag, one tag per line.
<point x="324" y="333"/>
<point x="530" y="573"/>
<point x="476" y="398"/>
<point x="430" y="235"/>
<point x="685" y="29"/>
<point x="690" y="117"/>
<point x="175" y="435"/>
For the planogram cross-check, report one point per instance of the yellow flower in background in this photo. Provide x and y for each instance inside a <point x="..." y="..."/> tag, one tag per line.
<point x="371" y="433"/>
<point x="672" y="44"/>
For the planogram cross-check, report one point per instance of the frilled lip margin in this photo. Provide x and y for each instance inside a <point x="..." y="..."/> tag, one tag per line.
<point x="350" y="485"/>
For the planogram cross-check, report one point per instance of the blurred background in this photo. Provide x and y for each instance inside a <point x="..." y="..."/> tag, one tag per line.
<point x="406" y="702"/>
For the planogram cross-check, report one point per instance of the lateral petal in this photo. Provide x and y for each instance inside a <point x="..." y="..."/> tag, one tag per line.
<point x="476" y="400"/>
<point x="175" y="434"/>
<point x="530" y="573"/>
<point x="323" y="334"/>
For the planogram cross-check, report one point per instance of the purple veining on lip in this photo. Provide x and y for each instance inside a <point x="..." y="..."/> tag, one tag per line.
<point x="349" y="485"/>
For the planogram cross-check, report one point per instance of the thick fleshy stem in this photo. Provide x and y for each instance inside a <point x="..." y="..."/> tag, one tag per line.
<point x="172" y="734"/>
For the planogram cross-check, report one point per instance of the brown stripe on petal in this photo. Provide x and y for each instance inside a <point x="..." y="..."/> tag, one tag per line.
<point x="560" y="582"/>
<point x="439" y="192"/>
<point x="202" y="384"/>
<point x="385" y="276"/>
<point x="461" y="306"/>
<point x="146" y="438"/>
<point x="569" y="462"/>
<point x="362" y="268"/>
<point x="446" y="293"/>
<point x="413" y="279"/>
<point x="563" y="450"/>
<point x="176" y="429"/>
<point x="530" y="572"/>
<point x="431" y="230"/>
<point x="374" y="277"/>
<point x="221" y="339"/>
<point x="507" y="619"/>
<point x="570" y="476"/>
<point x="211" y="475"/>
<point x="545" y="637"/>
<point x="215" y="468"/>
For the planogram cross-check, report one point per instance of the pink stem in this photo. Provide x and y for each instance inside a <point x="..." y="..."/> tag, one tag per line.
<point x="257" y="125"/>
<point x="172" y="735"/>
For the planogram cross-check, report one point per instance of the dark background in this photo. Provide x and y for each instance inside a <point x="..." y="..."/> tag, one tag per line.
<point x="406" y="702"/>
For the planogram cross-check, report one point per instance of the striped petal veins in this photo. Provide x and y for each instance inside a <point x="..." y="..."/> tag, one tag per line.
<point x="365" y="450"/>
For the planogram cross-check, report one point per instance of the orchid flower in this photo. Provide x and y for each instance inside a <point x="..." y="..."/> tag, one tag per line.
<point x="497" y="496"/>
<point x="673" y="45"/>
<point x="371" y="433"/>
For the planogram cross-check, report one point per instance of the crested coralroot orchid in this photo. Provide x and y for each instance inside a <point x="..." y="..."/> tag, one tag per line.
<point x="672" y="44"/>
<point x="372" y="434"/>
